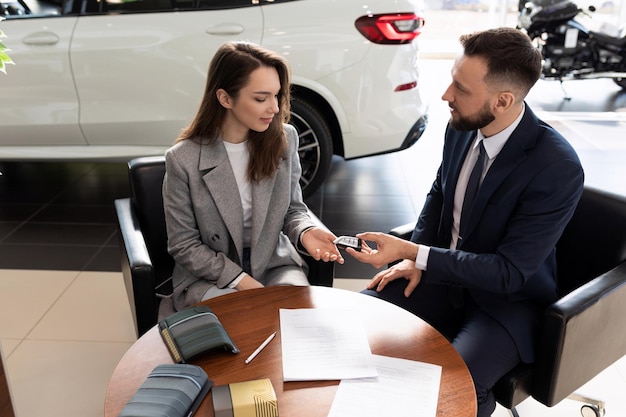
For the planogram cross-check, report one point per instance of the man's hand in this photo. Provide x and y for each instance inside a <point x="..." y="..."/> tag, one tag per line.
<point x="319" y="243"/>
<point x="405" y="269"/>
<point x="388" y="249"/>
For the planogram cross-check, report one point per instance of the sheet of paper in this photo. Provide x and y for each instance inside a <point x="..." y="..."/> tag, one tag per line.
<point x="403" y="388"/>
<point x="324" y="344"/>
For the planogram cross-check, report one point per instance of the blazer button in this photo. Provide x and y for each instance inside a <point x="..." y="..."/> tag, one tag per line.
<point x="215" y="238"/>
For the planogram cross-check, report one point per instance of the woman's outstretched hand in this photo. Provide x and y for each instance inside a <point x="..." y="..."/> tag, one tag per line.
<point x="319" y="243"/>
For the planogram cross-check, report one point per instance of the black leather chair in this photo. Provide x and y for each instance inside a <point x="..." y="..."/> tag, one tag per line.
<point x="146" y="264"/>
<point x="584" y="332"/>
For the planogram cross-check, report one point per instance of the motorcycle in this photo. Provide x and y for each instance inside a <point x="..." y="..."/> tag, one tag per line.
<point x="571" y="51"/>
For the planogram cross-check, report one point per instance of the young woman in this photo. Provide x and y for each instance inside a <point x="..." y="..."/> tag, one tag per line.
<point x="233" y="204"/>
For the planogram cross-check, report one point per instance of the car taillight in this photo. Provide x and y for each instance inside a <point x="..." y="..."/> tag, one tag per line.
<point x="406" y="86"/>
<point x="397" y="28"/>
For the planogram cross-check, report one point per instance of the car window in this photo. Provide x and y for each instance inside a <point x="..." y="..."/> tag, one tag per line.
<point x="140" y="5"/>
<point x="225" y="4"/>
<point x="135" y="6"/>
<point x="30" y="8"/>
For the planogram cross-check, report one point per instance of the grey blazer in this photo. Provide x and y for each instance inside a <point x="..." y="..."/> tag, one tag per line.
<point x="204" y="218"/>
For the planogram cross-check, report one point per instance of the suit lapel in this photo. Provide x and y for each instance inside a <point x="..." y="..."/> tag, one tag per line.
<point x="512" y="154"/>
<point x="220" y="181"/>
<point x="460" y="147"/>
<point x="261" y="199"/>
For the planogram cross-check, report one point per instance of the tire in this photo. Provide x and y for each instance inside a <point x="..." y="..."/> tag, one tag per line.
<point x="316" y="146"/>
<point x="621" y="82"/>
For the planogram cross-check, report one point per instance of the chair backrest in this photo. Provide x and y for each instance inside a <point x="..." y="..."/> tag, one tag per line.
<point x="146" y="191"/>
<point x="585" y="332"/>
<point x="594" y="240"/>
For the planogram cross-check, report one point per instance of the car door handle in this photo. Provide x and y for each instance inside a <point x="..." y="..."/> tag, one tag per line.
<point x="225" y="29"/>
<point x="41" y="38"/>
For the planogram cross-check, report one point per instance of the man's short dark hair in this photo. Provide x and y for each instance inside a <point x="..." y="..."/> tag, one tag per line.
<point x="512" y="59"/>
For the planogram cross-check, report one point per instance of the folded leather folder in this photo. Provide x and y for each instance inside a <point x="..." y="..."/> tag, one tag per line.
<point x="171" y="390"/>
<point x="192" y="331"/>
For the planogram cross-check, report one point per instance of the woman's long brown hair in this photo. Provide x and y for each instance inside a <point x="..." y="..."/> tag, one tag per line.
<point x="230" y="70"/>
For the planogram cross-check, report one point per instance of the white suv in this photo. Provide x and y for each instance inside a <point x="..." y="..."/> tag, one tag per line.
<point x="115" y="79"/>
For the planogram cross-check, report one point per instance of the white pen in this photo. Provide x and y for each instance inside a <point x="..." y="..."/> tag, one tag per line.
<point x="260" y="348"/>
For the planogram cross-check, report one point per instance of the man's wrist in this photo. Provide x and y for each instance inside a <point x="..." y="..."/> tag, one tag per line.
<point x="410" y="250"/>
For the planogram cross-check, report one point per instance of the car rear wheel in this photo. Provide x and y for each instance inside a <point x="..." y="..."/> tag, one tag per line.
<point x="621" y="82"/>
<point x="316" y="146"/>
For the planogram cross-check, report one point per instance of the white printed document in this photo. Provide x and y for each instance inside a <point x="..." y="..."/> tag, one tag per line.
<point x="403" y="388"/>
<point x="324" y="344"/>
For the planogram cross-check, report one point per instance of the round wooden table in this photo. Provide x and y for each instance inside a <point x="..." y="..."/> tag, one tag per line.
<point x="250" y="316"/>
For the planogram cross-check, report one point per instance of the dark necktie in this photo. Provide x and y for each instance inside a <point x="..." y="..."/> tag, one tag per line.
<point x="472" y="188"/>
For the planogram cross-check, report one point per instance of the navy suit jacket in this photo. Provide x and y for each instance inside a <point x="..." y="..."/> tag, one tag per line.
<point x="506" y="259"/>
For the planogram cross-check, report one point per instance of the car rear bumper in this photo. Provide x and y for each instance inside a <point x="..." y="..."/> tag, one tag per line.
<point x="416" y="132"/>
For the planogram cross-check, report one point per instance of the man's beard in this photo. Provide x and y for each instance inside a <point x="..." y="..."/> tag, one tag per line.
<point x="476" y="121"/>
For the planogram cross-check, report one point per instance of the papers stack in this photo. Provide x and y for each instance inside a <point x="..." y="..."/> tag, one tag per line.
<point x="331" y="344"/>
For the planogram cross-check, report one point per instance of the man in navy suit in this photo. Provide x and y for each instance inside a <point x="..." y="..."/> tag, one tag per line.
<point x="483" y="274"/>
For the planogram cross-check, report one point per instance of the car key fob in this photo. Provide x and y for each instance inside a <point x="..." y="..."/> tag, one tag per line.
<point x="344" y="242"/>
